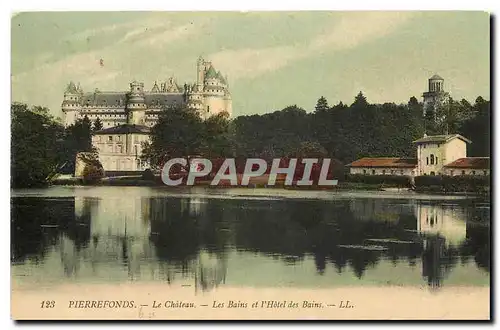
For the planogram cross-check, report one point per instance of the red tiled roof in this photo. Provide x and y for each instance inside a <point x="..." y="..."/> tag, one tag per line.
<point x="470" y="162"/>
<point x="384" y="162"/>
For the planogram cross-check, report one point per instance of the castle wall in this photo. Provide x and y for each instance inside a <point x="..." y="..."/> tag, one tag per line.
<point x="214" y="105"/>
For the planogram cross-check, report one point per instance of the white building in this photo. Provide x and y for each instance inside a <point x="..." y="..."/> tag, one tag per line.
<point x="468" y="166"/>
<point x="433" y="152"/>
<point x="436" y="155"/>
<point x="120" y="147"/>
<point x="384" y="166"/>
<point x="209" y="95"/>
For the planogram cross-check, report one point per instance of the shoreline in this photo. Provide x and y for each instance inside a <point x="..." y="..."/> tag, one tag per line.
<point x="341" y="187"/>
<point x="344" y="186"/>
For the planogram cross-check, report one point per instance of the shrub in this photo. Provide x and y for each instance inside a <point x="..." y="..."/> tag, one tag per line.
<point x="92" y="173"/>
<point x="460" y="183"/>
<point x="399" y="180"/>
<point x="148" y="175"/>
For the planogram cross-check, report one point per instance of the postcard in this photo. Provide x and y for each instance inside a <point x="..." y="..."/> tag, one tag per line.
<point x="307" y="165"/>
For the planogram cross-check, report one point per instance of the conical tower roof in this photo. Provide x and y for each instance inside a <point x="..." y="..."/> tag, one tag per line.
<point x="221" y="78"/>
<point x="211" y="73"/>
<point x="71" y="88"/>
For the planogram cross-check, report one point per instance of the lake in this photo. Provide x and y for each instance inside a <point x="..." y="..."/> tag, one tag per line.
<point x="247" y="238"/>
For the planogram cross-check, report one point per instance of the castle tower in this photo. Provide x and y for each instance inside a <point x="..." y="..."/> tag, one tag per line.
<point x="71" y="104"/>
<point x="136" y="105"/>
<point x="200" y="76"/>
<point x="435" y="94"/>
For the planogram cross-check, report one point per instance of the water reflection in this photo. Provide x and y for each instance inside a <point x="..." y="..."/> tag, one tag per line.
<point x="212" y="241"/>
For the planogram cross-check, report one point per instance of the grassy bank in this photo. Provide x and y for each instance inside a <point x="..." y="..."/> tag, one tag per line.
<point x="140" y="182"/>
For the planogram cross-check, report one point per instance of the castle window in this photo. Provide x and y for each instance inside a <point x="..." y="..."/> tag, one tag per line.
<point x="383" y="172"/>
<point x="427" y="158"/>
<point x="110" y="138"/>
<point x="432" y="159"/>
<point x="473" y="172"/>
<point x="451" y="172"/>
<point x="436" y="160"/>
<point x="373" y="172"/>
<point x="364" y="171"/>
<point x="463" y="172"/>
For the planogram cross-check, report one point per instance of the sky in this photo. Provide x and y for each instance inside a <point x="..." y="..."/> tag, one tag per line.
<point x="271" y="59"/>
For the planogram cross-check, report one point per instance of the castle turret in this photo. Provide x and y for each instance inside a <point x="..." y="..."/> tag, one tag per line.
<point x="200" y="76"/>
<point x="155" y="88"/>
<point x="71" y="104"/>
<point x="136" y="105"/>
<point x="214" y="92"/>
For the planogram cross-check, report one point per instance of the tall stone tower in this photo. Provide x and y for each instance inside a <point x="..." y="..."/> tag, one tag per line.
<point x="71" y="104"/>
<point x="435" y="94"/>
<point x="136" y="105"/>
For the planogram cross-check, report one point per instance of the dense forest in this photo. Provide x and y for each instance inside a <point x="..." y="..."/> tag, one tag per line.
<point x="42" y="147"/>
<point x="343" y="132"/>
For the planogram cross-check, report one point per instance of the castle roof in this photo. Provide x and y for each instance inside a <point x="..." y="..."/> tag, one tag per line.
<point x="441" y="138"/>
<point x="104" y="99"/>
<point x="71" y="88"/>
<point x="471" y="162"/>
<point x="211" y="73"/>
<point x="124" y="129"/>
<point x="113" y="99"/>
<point x="164" y="99"/>
<point x="436" y="77"/>
<point x="384" y="162"/>
<point x="155" y="88"/>
<point x="221" y="78"/>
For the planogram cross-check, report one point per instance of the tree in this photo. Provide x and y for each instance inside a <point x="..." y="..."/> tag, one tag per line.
<point x="360" y="100"/>
<point x="450" y="114"/>
<point x="36" y="146"/>
<point x="322" y="104"/>
<point x="478" y="128"/>
<point x="97" y="124"/>
<point x="179" y="132"/>
<point x="217" y="141"/>
<point x="309" y="149"/>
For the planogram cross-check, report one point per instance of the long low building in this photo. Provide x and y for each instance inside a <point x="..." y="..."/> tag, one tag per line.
<point x="436" y="155"/>
<point x="468" y="166"/>
<point x="384" y="166"/>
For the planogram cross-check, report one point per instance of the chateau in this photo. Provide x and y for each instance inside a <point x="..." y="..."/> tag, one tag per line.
<point x="127" y="117"/>
<point x="209" y="95"/>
